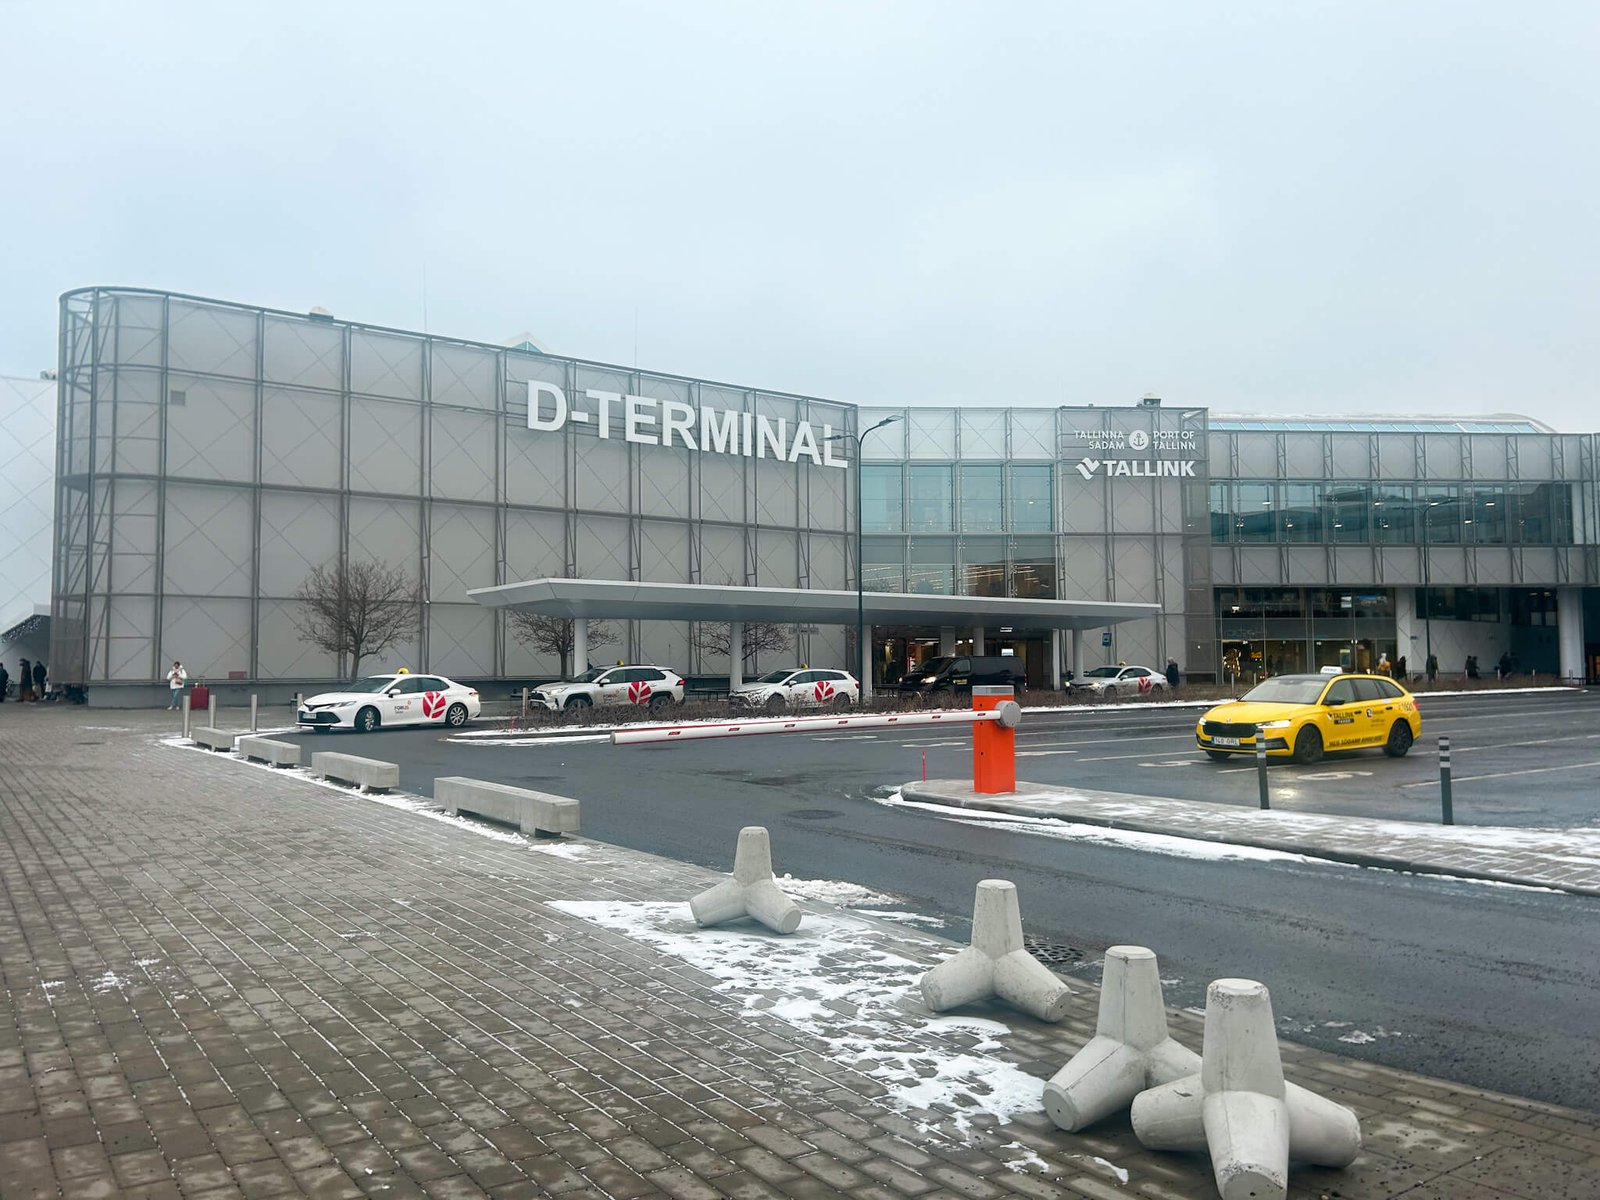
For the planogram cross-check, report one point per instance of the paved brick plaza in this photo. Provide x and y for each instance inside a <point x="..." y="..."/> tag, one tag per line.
<point x="222" y="981"/>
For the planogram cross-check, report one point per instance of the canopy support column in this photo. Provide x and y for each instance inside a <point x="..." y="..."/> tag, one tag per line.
<point x="580" y="645"/>
<point x="977" y="639"/>
<point x="735" y="655"/>
<point x="947" y="640"/>
<point x="1055" y="660"/>
<point x="1077" y="654"/>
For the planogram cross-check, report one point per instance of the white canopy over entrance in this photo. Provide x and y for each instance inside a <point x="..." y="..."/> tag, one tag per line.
<point x="622" y="599"/>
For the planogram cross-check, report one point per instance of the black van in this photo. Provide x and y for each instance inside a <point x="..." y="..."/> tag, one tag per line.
<point x="964" y="671"/>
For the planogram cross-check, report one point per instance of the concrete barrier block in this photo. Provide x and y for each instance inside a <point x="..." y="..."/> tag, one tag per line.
<point x="369" y="774"/>
<point x="270" y="750"/>
<point x="539" y="813"/>
<point x="1240" y="1108"/>
<point x="751" y="892"/>
<point x="1131" y="1049"/>
<point x="212" y="739"/>
<point x="995" y="964"/>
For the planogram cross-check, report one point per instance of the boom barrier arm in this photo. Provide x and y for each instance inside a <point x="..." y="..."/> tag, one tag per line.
<point x="1007" y="715"/>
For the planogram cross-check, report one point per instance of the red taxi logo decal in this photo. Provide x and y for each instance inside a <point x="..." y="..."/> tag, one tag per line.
<point x="824" y="691"/>
<point x="433" y="705"/>
<point x="1144" y="683"/>
<point x="638" y="693"/>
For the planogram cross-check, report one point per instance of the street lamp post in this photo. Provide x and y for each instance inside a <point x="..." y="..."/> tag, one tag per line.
<point x="861" y="599"/>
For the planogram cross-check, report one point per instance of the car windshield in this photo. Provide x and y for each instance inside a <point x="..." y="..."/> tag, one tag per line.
<point x="1286" y="689"/>
<point x="372" y="683"/>
<point x="934" y="666"/>
<point x="590" y="675"/>
<point x="1103" y="673"/>
<point x="776" y="676"/>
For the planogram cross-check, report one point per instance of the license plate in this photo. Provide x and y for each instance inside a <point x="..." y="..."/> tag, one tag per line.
<point x="1220" y="741"/>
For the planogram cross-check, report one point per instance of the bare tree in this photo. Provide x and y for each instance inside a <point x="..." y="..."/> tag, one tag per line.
<point x="557" y="635"/>
<point x="360" y="609"/>
<point x="760" y="637"/>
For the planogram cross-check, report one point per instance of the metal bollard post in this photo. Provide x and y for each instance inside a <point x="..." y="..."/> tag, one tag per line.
<point x="1261" y="765"/>
<point x="524" y="704"/>
<point x="212" y="715"/>
<point x="252" y="712"/>
<point x="1444" y="781"/>
<point x="186" y="714"/>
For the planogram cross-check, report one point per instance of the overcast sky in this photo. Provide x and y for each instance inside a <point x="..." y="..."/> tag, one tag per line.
<point x="1306" y="207"/>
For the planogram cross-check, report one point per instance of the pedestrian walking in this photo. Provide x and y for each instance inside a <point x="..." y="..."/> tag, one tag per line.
<point x="39" y="674"/>
<point x="5" y="682"/>
<point x="1172" y="672"/>
<point x="1383" y="667"/>
<point x="1400" y="669"/>
<point x="1432" y="667"/>
<point x="1503" y="667"/>
<point x="176" y="678"/>
<point x="25" y="682"/>
<point x="1472" y="667"/>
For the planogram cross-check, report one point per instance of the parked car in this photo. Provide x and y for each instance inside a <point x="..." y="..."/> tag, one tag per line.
<point x="798" y="687"/>
<point x="963" y="672"/>
<point x="1304" y="715"/>
<point x="1110" y="682"/>
<point x="655" y="688"/>
<point x="380" y="700"/>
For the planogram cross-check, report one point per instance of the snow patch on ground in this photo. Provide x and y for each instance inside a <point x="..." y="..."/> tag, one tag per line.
<point x="1357" y="1038"/>
<point x="832" y="980"/>
<point x="833" y="891"/>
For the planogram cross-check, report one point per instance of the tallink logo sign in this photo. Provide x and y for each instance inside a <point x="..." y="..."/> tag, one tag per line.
<point x="1136" y="468"/>
<point x="1138" y="441"/>
<point x="647" y="421"/>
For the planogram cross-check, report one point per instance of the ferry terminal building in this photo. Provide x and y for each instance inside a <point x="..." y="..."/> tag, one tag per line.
<point x="210" y="453"/>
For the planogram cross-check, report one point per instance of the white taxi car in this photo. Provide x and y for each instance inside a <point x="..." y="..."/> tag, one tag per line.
<point x="1110" y="682"/>
<point x="654" y="688"/>
<point x="379" y="700"/>
<point x="798" y="687"/>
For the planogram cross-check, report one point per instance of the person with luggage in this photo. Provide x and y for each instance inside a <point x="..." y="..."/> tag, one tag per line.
<point x="176" y="678"/>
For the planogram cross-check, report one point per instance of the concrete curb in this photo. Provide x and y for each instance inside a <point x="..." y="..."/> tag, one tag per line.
<point x="919" y="791"/>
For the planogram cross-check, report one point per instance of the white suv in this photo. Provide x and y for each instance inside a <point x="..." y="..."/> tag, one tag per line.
<point x="655" y="688"/>
<point x="798" y="687"/>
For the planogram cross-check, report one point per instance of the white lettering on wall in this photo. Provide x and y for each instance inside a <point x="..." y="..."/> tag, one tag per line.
<point x="647" y="421"/>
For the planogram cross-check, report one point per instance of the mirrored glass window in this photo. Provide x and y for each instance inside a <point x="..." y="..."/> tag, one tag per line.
<point x="1347" y="511"/>
<point x="983" y="566"/>
<point x="1441" y="512"/>
<point x="933" y="565"/>
<point x="1299" y="512"/>
<point x="1486" y="515"/>
<point x="1253" y="516"/>
<point x="1394" y="514"/>
<point x="1033" y="567"/>
<point x="884" y="560"/>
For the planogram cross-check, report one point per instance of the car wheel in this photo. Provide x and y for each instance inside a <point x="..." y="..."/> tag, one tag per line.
<point x="1109" y="693"/>
<point x="1217" y="755"/>
<point x="1308" y="746"/>
<point x="1400" y="740"/>
<point x="367" y="720"/>
<point x="775" y="704"/>
<point x="456" y="715"/>
<point x="659" y="702"/>
<point x="842" y="703"/>
<point x="579" y="702"/>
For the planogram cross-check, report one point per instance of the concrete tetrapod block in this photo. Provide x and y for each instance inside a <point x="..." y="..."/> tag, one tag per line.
<point x="752" y="892"/>
<point x="1240" y="1108"/>
<point x="1130" y="1051"/>
<point x="996" y="964"/>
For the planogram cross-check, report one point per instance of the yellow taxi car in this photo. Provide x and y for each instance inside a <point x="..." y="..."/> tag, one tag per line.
<point x="1304" y="715"/>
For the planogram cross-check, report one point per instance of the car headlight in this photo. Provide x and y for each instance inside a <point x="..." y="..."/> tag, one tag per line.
<point x="1276" y="724"/>
<point x="345" y="704"/>
<point x="930" y="679"/>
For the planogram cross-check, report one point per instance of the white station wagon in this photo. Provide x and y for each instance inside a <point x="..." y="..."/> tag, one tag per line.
<point x="380" y="700"/>
<point x="798" y="687"/>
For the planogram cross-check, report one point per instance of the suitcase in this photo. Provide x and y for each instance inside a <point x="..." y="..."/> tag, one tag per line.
<point x="199" y="696"/>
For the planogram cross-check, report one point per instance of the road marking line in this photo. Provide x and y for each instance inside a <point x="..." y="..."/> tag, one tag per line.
<point x="1042" y="753"/>
<point x="845" y="737"/>
<point x="1502" y="774"/>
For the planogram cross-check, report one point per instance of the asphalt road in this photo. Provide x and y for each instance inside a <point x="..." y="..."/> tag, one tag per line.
<point x="1493" y="986"/>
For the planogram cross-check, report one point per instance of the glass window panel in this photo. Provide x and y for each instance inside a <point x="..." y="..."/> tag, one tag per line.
<point x="1488" y="517"/>
<point x="1346" y="511"/>
<point x="1543" y="513"/>
<point x="933" y="565"/>
<point x="1299" y="513"/>
<point x="981" y="498"/>
<point x="885" y="567"/>
<point x="1394" y="514"/>
<point x="1033" y="568"/>
<point x="1032" y="499"/>
<point x="1033" y="433"/>
<point x="1253" y="516"/>
<point x="1442" y="515"/>
<point x="930" y="505"/>
<point x="1221" y="513"/>
<point x="983" y="566"/>
<point x="887" y="444"/>
<point x="882" y="508"/>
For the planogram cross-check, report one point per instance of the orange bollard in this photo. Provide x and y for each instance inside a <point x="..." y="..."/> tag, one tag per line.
<point x="994" y="743"/>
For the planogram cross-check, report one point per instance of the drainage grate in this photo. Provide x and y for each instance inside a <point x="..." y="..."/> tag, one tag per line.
<point x="1051" y="952"/>
<point x="814" y="814"/>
